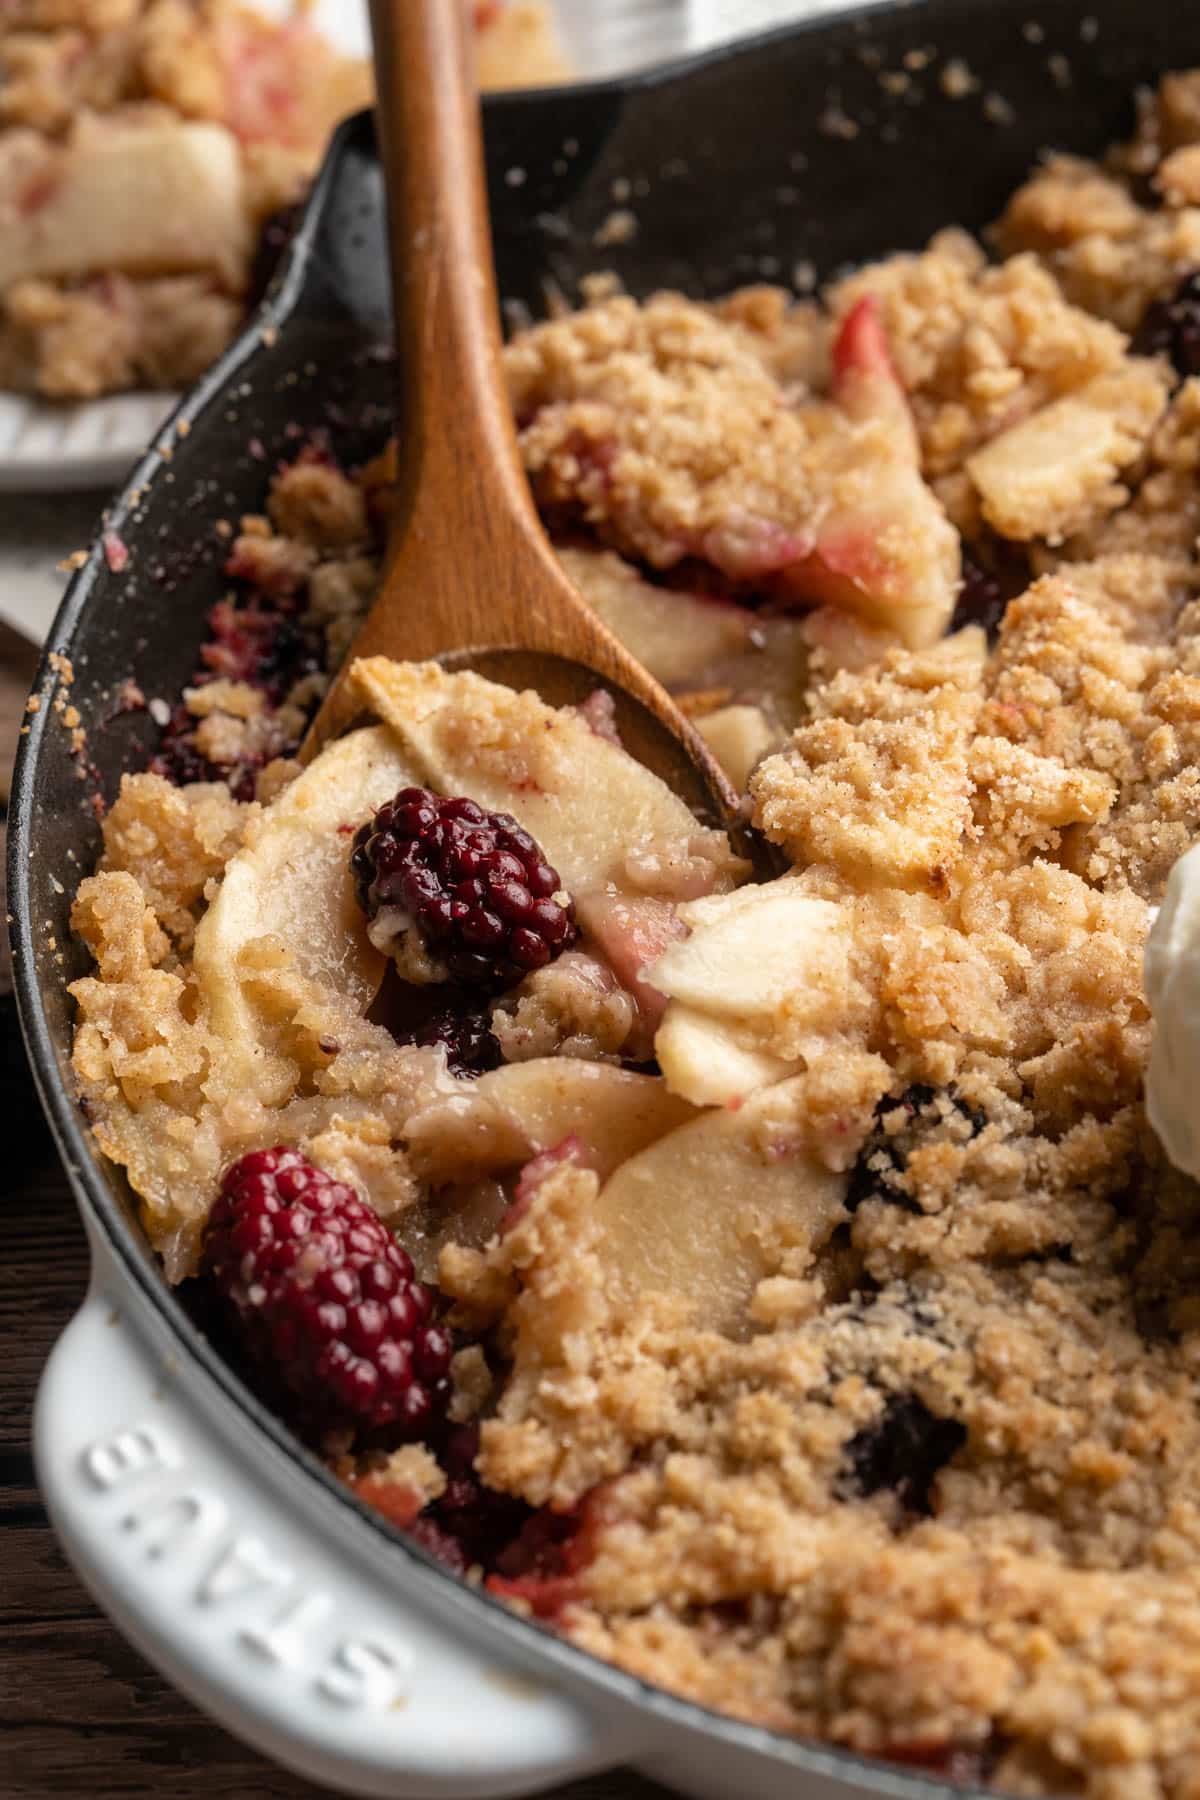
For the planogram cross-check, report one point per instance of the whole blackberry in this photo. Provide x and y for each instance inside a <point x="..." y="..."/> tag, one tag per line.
<point x="1171" y="327"/>
<point x="324" y="1297"/>
<point x="474" y="886"/>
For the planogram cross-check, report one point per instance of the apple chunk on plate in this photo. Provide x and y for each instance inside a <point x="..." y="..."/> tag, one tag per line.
<point x="141" y="196"/>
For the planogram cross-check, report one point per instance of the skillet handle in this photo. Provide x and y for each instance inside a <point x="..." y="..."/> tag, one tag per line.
<point x="327" y="1649"/>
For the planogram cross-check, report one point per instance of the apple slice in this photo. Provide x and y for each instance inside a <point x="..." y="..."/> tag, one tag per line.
<point x="739" y="737"/>
<point x="698" y="645"/>
<point x="745" y="949"/>
<point x="515" y="1112"/>
<point x="704" y="1211"/>
<point x="704" y="1058"/>
<point x="770" y="969"/>
<point x="677" y="636"/>
<point x="865" y="382"/>
<point x="884" y="548"/>
<point x="516" y="1116"/>
<point x="144" y="196"/>
<point x="292" y="882"/>
<point x="1058" y="470"/>
<point x="593" y="809"/>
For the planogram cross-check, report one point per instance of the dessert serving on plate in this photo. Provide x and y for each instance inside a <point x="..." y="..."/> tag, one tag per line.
<point x="774" y="1288"/>
<point x="150" y="151"/>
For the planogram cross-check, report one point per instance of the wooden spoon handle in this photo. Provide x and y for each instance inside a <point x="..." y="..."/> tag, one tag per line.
<point x="469" y="568"/>
<point x="454" y="421"/>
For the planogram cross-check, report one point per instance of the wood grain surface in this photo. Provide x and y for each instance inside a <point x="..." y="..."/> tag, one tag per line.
<point x="81" y="1713"/>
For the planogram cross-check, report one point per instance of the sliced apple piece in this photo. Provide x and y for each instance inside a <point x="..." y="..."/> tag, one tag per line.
<point x="590" y="806"/>
<point x="884" y="548"/>
<point x="144" y="196"/>
<point x="704" y="1211"/>
<point x="1058" y="471"/>
<point x="514" y="1113"/>
<point x="292" y="882"/>
<point x="739" y="737"/>
<point x="745" y="949"/>
<point x="704" y="1058"/>
<point x="679" y="637"/>
<point x="865" y="382"/>
<point x="772" y="969"/>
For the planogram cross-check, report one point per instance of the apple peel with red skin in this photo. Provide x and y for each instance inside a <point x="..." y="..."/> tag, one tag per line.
<point x="891" y="557"/>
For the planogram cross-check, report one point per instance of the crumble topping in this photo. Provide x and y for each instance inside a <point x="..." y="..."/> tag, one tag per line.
<point x="825" y="1307"/>
<point x="662" y="429"/>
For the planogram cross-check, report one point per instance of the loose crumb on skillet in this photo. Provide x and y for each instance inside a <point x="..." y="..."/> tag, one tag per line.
<point x="932" y="1493"/>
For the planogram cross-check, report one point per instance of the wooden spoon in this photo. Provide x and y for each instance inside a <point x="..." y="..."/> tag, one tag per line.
<point x="470" y="577"/>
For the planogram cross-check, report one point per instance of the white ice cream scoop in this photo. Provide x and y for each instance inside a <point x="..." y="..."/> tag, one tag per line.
<point x="1173" y="987"/>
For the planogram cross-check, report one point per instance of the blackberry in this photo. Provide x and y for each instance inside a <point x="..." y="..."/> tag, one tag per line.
<point x="472" y="884"/>
<point x="991" y="576"/>
<point x="324" y="1299"/>
<point x="262" y="643"/>
<point x="479" y="1521"/>
<point x="903" y="1451"/>
<point x="920" y="1114"/>
<point x="1171" y="328"/>
<point x="466" y="1033"/>
<point x="177" y="759"/>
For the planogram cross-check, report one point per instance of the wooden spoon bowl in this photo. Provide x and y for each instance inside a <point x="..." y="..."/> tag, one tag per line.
<point x="470" y="578"/>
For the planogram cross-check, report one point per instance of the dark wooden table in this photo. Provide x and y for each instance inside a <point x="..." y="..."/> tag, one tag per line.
<point x="81" y="1713"/>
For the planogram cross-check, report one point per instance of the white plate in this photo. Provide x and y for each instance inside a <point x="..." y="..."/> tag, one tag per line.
<point x="46" y="448"/>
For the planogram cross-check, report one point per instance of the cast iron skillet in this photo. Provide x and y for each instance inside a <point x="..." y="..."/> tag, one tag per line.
<point x="737" y="167"/>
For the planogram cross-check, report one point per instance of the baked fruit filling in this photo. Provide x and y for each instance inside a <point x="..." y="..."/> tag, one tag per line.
<point x="776" y="1288"/>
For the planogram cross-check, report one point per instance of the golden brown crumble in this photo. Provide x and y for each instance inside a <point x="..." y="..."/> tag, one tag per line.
<point x="665" y="430"/>
<point x="867" y="1329"/>
<point x="1109" y="254"/>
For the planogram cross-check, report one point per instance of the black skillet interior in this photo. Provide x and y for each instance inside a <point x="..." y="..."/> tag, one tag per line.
<point x="792" y="150"/>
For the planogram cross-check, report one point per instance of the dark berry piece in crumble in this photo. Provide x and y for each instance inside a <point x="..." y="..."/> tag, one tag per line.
<point x="262" y="643"/>
<point x="1171" y="327"/>
<point x="472" y="884"/>
<point x="472" y="1526"/>
<point x="919" y="1115"/>
<point x="465" y="1032"/>
<point x="903" y="1451"/>
<point x="325" y="1299"/>
<point x="992" y="574"/>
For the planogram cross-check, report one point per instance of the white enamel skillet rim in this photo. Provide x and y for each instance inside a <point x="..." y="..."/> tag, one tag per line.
<point x="226" y="1553"/>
